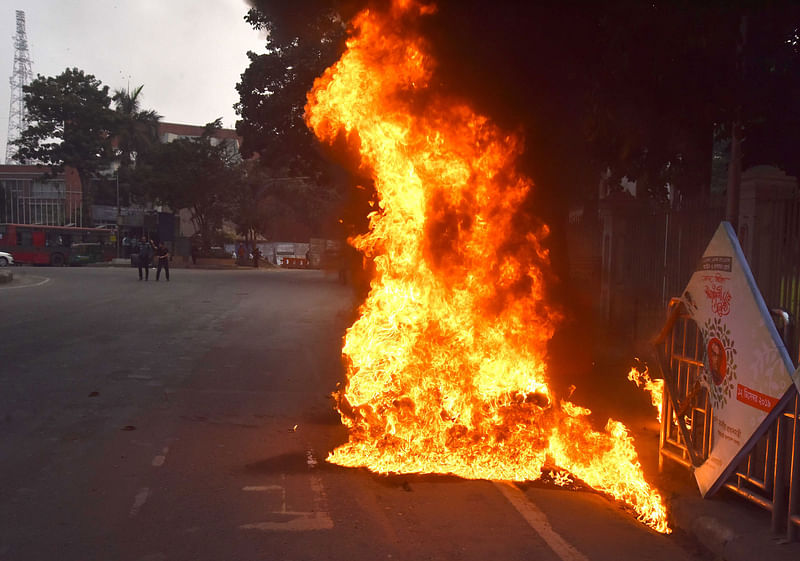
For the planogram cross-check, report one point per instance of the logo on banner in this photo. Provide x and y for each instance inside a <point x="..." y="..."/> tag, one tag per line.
<point x="720" y="372"/>
<point x="719" y="295"/>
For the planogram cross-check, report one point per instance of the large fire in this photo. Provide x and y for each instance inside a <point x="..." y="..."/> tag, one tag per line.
<point x="446" y="363"/>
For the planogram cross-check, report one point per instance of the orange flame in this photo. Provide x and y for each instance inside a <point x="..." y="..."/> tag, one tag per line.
<point x="446" y="363"/>
<point x="655" y="387"/>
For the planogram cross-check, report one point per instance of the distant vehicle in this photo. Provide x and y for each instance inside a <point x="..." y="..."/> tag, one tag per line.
<point x="283" y="252"/>
<point x="6" y="259"/>
<point x="53" y="245"/>
<point x="85" y="253"/>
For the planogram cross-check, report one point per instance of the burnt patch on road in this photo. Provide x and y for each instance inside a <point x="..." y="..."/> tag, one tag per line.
<point x="294" y="462"/>
<point x="405" y="482"/>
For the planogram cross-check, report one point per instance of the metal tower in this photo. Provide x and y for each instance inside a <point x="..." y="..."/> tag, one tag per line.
<point x="21" y="76"/>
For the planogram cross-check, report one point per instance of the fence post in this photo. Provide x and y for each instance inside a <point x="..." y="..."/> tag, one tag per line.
<point x="780" y="503"/>
<point x="794" y="477"/>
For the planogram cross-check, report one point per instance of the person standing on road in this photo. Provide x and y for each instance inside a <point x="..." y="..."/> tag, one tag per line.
<point x="163" y="261"/>
<point x="145" y="254"/>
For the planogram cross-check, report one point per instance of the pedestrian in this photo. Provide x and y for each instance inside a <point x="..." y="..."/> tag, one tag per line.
<point x="145" y="254"/>
<point x="256" y="255"/>
<point x="163" y="261"/>
<point x="240" y="253"/>
<point x="194" y="254"/>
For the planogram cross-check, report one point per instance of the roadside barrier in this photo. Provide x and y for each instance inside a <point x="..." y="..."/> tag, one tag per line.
<point x="769" y="476"/>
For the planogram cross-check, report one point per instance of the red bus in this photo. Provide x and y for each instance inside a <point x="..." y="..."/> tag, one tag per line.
<point x="56" y="245"/>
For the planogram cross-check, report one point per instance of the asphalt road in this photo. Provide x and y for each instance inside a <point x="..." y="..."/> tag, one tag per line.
<point x="190" y="420"/>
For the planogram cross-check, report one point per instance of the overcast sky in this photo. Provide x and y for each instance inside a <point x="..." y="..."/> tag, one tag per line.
<point x="187" y="53"/>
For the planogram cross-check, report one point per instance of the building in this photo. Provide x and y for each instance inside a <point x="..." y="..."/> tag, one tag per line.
<point x="30" y="195"/>
<point x="168" y="132"/>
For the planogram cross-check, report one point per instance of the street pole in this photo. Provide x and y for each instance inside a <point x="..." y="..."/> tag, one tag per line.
<point x="119" y="214"/>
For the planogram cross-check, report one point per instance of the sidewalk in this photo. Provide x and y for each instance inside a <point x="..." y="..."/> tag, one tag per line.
<point x="727" y="525"/>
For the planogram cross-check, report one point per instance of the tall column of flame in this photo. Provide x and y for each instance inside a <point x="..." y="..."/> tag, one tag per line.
<point x="446" y="363"/>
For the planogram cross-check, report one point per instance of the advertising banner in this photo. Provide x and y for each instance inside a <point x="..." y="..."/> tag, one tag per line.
<point x="746" y="367"/>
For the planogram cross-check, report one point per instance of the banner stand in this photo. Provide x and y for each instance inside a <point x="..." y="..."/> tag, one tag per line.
<point x="742" y="365"/>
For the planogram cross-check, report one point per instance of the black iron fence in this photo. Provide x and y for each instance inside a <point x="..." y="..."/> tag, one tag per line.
<point x="644" y="254"/>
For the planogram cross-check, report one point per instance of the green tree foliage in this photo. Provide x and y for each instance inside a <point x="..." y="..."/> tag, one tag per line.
<point x="69" y="123"/>
<point x="136" y="129"/>
<point x="135" y="132"/>
<point x="195" y="173"/>
<point x="273" y="90"/>
<point x="275" y="206"/>
<point x="638" y="88"/>
<point x="659" y="99"/>
<point x="297" y="190"/>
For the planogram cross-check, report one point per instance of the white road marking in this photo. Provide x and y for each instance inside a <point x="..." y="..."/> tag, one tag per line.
<point x="139" y="500"/>
<point x="317" y="519"/>
<point x="40" y="283"/>
<point x="537" y="520"/>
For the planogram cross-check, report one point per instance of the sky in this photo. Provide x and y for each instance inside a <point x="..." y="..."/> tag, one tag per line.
<point x="188" y="54"/>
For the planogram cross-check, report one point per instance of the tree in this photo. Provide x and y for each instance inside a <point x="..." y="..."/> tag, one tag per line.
<point x="277" y="206"/>
<point x="69" y="123"/>
<point x="193" y="173"/>
<point x="136" y="129"/>
<point x="273" y="91"/>
<point x="637" y="89"/>
<point x="731" y="63"/>
<point x="298" y="193"/>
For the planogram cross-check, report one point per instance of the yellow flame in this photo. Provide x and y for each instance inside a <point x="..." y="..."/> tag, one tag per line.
<point x="655" y="387"/>
<point x="446" y="363"/>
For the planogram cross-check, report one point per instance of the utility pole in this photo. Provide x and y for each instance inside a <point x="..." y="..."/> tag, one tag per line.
<point x="119" y="212"/>
<point x="21" y="76"/>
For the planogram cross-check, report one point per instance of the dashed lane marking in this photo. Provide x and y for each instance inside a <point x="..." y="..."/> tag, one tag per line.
<point x="537" y="520"/>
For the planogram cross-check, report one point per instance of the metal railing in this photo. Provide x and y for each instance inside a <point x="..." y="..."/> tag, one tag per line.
<point x="770" y="474"/>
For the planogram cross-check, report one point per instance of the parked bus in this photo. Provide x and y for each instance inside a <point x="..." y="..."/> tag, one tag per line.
<point x="56" y="245"/>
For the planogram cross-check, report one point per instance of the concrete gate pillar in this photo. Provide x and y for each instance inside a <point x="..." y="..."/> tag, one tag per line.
<point x="765" y="192"/>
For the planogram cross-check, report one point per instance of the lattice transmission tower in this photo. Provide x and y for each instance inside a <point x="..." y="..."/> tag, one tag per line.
<point x="21" y="76"/>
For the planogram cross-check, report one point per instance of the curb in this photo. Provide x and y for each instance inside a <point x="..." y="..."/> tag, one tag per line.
<point x="729" y="527"/>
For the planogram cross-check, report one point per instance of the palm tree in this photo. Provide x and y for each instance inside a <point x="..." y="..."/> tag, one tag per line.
<point x="136" y="129"/>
